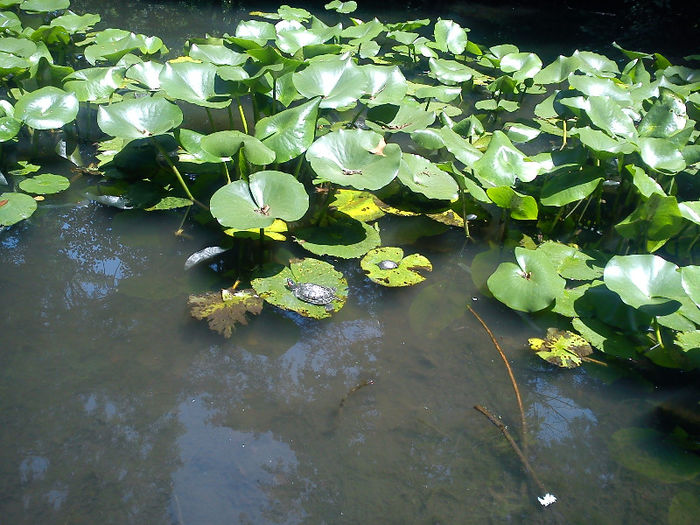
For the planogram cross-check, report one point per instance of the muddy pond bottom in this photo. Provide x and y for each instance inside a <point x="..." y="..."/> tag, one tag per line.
<point x="116" y="406"/>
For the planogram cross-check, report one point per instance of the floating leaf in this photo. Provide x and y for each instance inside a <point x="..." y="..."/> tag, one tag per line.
<point x="503" y="163"/>
<point x="604" y="338"/>
<point x="522" y="65"/>
<point x="360" y="205"/>
<point x="379" y="263"/>
<point x="147" y="73"/>
<point x="656" y="220"/>
<point x="225" y="309"/>
<point x="138" y="118"/>
<point x="271" y="283"/>
<point x="690" y="280"/>
<point x="289" y="133"/>
<point x="341" y="7"/>
<point x="607" y="115"/>
<point x="192" y="82"/>
<point x="338" y="80"/>
<point x="521" y="207"/>
<point x="44" y="6"/>
<point x="422" y="176"/>
<point x="93" y="84"/>
<point x="170" y="203"/>
<point x="562" y="348"/>
<point x="530" y="285"/>
<point x="44" y="184"/>
<point x="661" y="155"/>
<point x="355" y="158"/>
<point x="76" y="23"/>
<point x="654" y="455"/>
<point x="449" y="36"/>
<point x="572" y="263"/>
<point x="450" y="71"/>
<point x="275" y="232"/>
<point x="385" y="84"/>
<point x="15" y="207"/>
<point x="404" y="118"/>
<point x="570" y="185"/>
<point x="47" y="108"/>
<point x="344" y="237"/>
<point x="268" y="195"/>
<point x="225" y="144"/>
<point x="688" y="340"/>
<point x="665" y="117"/>
<point x="645" y="281"/>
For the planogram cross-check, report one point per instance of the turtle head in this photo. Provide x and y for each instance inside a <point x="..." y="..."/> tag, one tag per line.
<point x="291" y="284"/>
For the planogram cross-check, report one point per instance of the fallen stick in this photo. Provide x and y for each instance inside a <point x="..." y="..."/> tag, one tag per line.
<point x="548" y="498"/>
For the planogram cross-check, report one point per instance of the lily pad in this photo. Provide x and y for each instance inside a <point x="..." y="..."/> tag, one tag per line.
<point x="344" y="237"/>
<point x="15" y="207"/>
<point x="47" y="108"/>
<point x="256" y="204"/>
<point x="356" y="158"/>
<point x="406" y="272"/>
<point x="138" y="118"/>
<point x="44" y="6"/>
<point x="570" y="185"/>
<point x="271" y="283"/>
<point x="225" y="309"/>
<point x="44" y="184"/>
<point x="604" y="338"/>
<point x="646" y="282"/>
<point x="690" y="280"/>
<point x="521" y="207"/>
<point x="422" y="176"/>
<point x="339" y="82"/>
<point x="289" y="133"/>
<point x="530" y="285"/>
<point x="192" y="82"/>
<point x="225" y="144"/>
<point x="654" y="455"/>
<point x="277" y="231"/>
<point x="502" y="163"/>
<point x="561" y="348"/>
<point x="360" y="205"/>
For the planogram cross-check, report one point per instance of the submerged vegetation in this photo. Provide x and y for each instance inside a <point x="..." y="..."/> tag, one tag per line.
<point x="581" y="174"/>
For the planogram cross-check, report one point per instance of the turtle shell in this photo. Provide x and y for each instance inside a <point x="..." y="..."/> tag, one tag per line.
<point x="387" y="264"/>
<point x="312" y="293"/>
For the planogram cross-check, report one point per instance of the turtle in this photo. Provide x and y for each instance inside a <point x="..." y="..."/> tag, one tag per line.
<point x="313" y="293"/>
<point x="387" y="264"/>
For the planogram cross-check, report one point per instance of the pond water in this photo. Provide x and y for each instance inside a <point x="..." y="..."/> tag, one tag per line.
<point x="117" y="407"/>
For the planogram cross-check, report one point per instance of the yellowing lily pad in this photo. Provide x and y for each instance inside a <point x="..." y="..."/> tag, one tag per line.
<point x="360" y="205"/>
<point x="225" y="309"/>
<point x="275" y="232"/>
<point x="272" y="284"/>
<point x="387" y="266"/>
<point x="562" y="348"/>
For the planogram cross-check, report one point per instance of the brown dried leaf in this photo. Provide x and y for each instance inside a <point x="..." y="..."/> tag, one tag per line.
<point x="225" y="309"/>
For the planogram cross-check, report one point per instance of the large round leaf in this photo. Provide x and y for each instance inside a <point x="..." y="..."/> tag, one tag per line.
<point x="405" y="118"/>
<point x="449" y="36"/>
<point x="661" y="155"/>
<point x="289" y="133"/>
<point x="267" y="196"/>
<point x="607" y="114"/>
<point x="147" y="73"/>
<point x="690" y="280"/>
<point x="138" y="118"/>
<point x="219" y="55"/>
<point x="385" y="84"/>
<point x="665" y="117"/>
<point x="422" y="176"/>
<point x="339" y="81"/>
<point x="570" y="185"/>
<point x="92" y="84"/>
<point x="406" y="272"/>
<point x="647" y="282"/>
<point x="344" y="237"/>
<point x="9" y="127"/>
<point x="521" y="207"/>
<point x="530" y="285"/>
<point x="503" y="163"/>
<point x="449" y="71"/>
<point x="192" y="82"/>
<point x="75" y="23"/>
<point x="15" y="207"/>
<point x="356" y="158"/>
<point x="44" y="184"/>
<point x="47" y="108"/>
<point x="521" y="65"/>
<point x="653" y="455"/>
<point x="44" y="6"/>
<point x="225" y="144"/>
<point x="271" y="283"/>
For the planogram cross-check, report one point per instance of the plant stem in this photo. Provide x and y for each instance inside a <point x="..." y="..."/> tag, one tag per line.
<point x="242" y="114"/>
<point x="563" y="142"/>
<point x="523" y="424"/>
<point x="228" y="176"/>
<point x="211" y="119"/>
<point x="230" y="116"/>
<point x="177" y="173"/>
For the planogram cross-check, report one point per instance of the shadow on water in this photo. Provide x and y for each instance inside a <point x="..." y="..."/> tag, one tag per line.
<point x="117" y="407"/>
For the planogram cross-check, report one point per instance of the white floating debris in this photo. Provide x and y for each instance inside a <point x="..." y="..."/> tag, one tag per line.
<point x="547" y="500"/>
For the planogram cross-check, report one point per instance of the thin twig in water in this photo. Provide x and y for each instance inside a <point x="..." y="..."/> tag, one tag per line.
<point x="354" y="389"/>
<point x="523" y="425"/>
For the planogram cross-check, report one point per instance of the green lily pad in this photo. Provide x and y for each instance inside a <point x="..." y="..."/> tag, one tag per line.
<point x="690" y="280"/>
<point x="656" y="220"/>
<point x="571" y="185"/>
<point x="147" y="73"/>
<point x="385" y="85"/>
<point x="268" y="195"/>
<point x="688" y="340"/>
<point x="271" y="283"/>
<point x="341" y="7"/>
<point x="422" y="176"/>
<point x="356" y="158"/>
<point x="44" y="6"/>
<point x="666" y="117"/>
<point x="644" y="183"/>
<point x="289" y="133"/>
<point x="561" y="348"/>
<point x="407" y="268"/>
<point x="360" y="205"/>
<point x="225" y="144"/>
<point x="522" y="65"/>
<point x="601" y="142"/>
<point x="170" y="203"/>
<point x="450" y="36"/>
<point x="602" y="336"/>
<point x="138" y="118"/>
<point x="530" y="285"/>
<point x="256" y="31"/>
<point x="521" y="207"/>
<point x="218" y="55"/>
<point x="225" y="309"/>
<point x="645" y="282"/>
<point x="661" y="155"/>
<point x="10" y="22"/>
<point x="44" y="184"/>
<point x="47" y="108"/>
<point x="344" y="237"/>
<point x="93" y="84"/>
<point x="191" y="141"/>
<point x="192" y="82"/>
<point x="15" y="207"/>
<point x="654" y="455"/>
<point x="113" y="44"/>
<point x="461" y="148"/>
<point x="404" y="118"/>
<point x="449" y="71"/>
<point x="572" y="263"/>
<point x="502" y="163"/>
<point x="74" y="23"/>
<point x="9" y="127"/>
<point x="338" y="80"/>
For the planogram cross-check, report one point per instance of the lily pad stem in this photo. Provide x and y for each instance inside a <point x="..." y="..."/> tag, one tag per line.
<point x="177" y="173"/>
<point x="657" y="330"/>
<point x="563" y="140"/>
<point x="523" y="424"/>
<point x="242" y="114"/>
<point x="297" y="169"/>
<point x="211" y="119"/>
<point x="228" y="175"/>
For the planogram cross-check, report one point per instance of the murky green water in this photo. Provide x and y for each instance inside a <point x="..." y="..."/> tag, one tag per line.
<point x="117" y="407"/>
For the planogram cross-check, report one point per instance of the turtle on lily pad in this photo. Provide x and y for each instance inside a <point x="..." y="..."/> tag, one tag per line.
<point x="387" y="266"/>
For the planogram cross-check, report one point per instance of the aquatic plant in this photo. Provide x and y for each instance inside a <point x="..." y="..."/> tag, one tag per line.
<point x="583" y="171"/>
